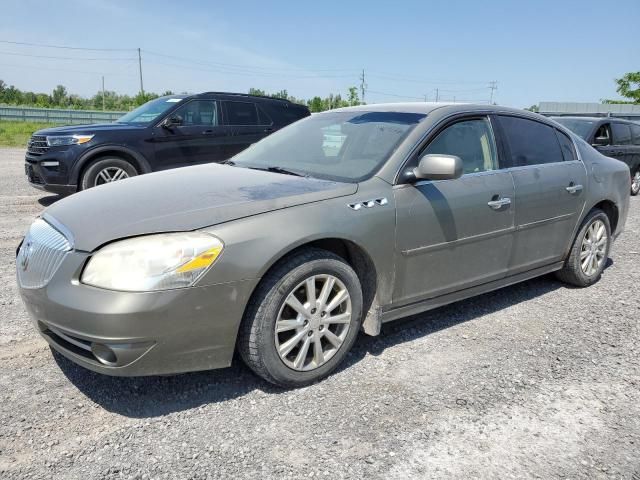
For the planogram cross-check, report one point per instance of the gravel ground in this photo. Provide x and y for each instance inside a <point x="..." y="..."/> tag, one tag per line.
<point x="533" y="381"/>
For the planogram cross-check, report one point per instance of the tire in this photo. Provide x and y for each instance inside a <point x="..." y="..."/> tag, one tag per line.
<point x="259" y="343"/>
<point x="109" y="167"/>
<point x="635" y="183"/>
<point x="573" y="271"/>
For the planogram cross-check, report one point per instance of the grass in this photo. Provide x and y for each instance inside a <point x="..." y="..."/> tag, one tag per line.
<point x="16" y="134"/>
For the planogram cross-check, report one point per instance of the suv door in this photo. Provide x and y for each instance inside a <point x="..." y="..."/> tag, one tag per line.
<point x="248" y="122"/>
<point x="199" y="136"/>
<point x="549" y="182"/>
<point x="454" y="234"/>
<point x="634" y="164"/>
<point x="622" y="148"/>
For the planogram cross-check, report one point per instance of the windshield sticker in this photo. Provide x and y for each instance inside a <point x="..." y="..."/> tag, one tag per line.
<point x="173" y="100"/>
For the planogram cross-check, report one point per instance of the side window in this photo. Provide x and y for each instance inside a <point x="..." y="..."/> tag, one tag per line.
<point x="530" y="142"/>
<point x="241" y="113"/>
<point x="263" y="118"/>
<point x="199" y="112"/>
<point x="567" y="147"/>
<point x="635" y="134"/>
<point x="604" y="134"/>
<point x="621" y="133"/>
<point x="472" y="141"/>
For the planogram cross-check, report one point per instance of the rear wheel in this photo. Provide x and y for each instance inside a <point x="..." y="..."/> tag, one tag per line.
<point x="635" y="183"/>
<point x="303" y="319"/>
<point x="106" y="170"/>
<point x="589" y="252"/>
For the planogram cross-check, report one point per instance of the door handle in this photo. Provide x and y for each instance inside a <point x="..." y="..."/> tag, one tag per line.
<point x="574" y="189"/>
<point x="499" y="203"/>
<point x="268" y="130"/>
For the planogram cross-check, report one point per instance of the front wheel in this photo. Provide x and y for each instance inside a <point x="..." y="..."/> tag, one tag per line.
<point x="302" y="320"/>
<point x="589" y="252"/>
<point x="635" y="183"/>
<point x="106" y="170"/>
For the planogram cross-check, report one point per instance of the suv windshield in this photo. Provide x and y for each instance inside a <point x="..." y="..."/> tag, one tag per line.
<point x="150" y="111"/>
<point x="341" y="146"/>
<point x="578" y="126"/>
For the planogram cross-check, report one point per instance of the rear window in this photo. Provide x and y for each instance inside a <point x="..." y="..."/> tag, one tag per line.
<point x="530" y="142"/>
<point x="241" y="113"/>
<point x="635" y="134"/>
<point x="621" y="133"/>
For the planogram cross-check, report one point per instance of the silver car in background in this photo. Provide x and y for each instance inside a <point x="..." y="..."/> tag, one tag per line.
<point x="335" y="224"/>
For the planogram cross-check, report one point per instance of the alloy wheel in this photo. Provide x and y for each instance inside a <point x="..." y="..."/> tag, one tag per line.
<point x="635" y="182"/>
<point x="110" y="174"/>
<point x="594" y="248"/>
<point x="313" y="322"/>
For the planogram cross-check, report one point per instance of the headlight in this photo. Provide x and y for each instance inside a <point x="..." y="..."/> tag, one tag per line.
<point x="61" y="140"/>
<point x="152" y="262"/>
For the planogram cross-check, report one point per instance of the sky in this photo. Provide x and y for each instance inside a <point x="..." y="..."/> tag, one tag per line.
<point x="544" y="50"/>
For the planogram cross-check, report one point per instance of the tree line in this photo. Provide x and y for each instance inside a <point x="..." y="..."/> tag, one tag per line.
<point x="113" y="101"/>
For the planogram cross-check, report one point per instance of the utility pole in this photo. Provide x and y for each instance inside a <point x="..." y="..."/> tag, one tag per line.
<point x="425" y="98"/>
<point x="493" y="86"/>
<point x="363" y="86"/>
<point x="103" y="93"/>
<point x="437" y="95"/>
<point x="140" y="67"/>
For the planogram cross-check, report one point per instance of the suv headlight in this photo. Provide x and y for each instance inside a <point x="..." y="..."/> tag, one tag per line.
<point x="61" y="140"/>
<point x="152" y="262"/>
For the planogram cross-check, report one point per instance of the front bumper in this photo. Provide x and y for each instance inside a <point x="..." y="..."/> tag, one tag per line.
<point x="43" y="173"/>
<point x="134" y="334"/>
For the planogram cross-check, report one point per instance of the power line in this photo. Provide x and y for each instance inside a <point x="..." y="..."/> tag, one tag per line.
<point x="247" y="68"/>
<point x="63" y="58"/>
<point x="38" y="67"/>
<point x="389" y="76"/>
<point x="68" y="47"/>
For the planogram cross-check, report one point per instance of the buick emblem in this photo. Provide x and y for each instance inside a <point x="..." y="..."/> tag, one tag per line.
<point x="25" y="253"/>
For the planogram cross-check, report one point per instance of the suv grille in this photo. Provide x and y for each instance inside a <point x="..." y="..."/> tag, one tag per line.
<point x="40" y="254"/>
<point x="37" y="145"/>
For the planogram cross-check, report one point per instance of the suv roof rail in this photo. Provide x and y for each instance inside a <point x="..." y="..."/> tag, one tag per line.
<point x="246" y="95"/>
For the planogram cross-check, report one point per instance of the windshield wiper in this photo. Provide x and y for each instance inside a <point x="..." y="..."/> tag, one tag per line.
<point x="229" y="162"/>
<point x="280" y="170"/>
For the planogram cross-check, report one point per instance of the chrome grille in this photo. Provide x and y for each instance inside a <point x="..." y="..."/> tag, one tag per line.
<point x="37" y="145"/>
<point x="40" y="254"/>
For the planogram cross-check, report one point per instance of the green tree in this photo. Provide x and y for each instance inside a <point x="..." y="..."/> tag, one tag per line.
<point x="533" y="108"/>
<point x="59" y="96"/>
<point x="353" y="97"/>
<point x="629" y="86"/>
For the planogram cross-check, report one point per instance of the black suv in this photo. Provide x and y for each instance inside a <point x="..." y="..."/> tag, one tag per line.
<point x="612" y="137"/>
<point x="171" y="131"/>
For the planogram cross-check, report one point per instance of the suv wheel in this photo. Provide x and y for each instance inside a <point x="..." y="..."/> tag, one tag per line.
<point x="303" y="319"/>
<point x="106" y="170"/>
<point x="635" y="183"/>
<point x="589" y="252"/>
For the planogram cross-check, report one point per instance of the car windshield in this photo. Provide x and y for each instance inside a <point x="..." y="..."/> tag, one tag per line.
<point x="340" y="146"/>
<point x="150" y="111"/>
<point x="580" y="127"/>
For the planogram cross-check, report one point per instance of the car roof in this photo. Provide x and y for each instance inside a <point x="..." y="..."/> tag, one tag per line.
<point x="248" y="96"/>
<point x="428" y="107"/>
<point x="593" y="119"/>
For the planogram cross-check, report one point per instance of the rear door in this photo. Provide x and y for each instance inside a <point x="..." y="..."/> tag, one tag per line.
<point x="550" y="183"/>
<point x="622" y="147"/>
<point x="199" y="138"/>
<point x="248" y="122"/>
<point x="635" y="149"/>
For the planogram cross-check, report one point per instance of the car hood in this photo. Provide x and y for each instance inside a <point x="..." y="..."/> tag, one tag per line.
<point x="180" y="200"/>
<point x="88" y="129"/>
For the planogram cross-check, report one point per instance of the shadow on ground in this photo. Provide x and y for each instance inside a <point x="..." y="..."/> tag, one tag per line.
<point x="49" y="200"/>
<point x="153" y="396"/>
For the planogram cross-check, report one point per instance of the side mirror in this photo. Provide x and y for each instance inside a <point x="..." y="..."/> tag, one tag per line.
<point x="601" y="141"/>
<point x="438" y="167"/>
<point x="172" y="121"/>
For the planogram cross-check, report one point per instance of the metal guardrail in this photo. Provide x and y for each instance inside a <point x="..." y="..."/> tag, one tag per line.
<point x="54" y="115"/>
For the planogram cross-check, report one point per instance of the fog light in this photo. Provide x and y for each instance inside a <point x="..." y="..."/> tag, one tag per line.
<point x="104" y="354"/>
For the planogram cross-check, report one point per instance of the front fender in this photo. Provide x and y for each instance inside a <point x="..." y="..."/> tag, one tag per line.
<point x="99" y="150"/>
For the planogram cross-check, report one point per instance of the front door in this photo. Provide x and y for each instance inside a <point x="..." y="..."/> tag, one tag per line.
<point x="454" y="234"/>
<point x="550" y="185"/>
<point x="199" y="138"/>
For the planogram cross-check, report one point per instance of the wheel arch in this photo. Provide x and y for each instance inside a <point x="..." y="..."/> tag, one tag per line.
<point x="136" y="159"/>
<point x="355" y="256"/>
